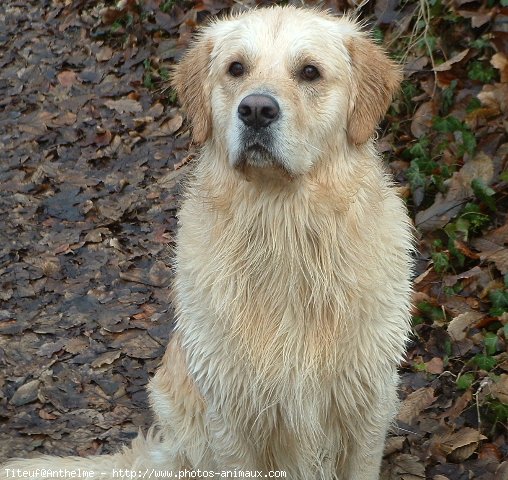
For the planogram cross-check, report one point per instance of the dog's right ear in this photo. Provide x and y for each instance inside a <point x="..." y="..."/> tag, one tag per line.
<point x="190" y="82"/>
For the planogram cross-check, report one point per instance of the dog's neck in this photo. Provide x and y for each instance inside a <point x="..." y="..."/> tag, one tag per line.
<point x="331" y="181"/>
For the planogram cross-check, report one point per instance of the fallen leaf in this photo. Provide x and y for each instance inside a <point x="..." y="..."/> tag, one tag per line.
<point x="67" y="78"/>
<point x="67" y="118"/>
<point x="415" y="65"/>
<point x="106" y="358"/>
<point x="422" y="118"/>
<point x="458" y="446"/>
<point x="435" y="366"/>
<point x="404" y="467"/>
<point x="459" y="406"/>
<point x="445" y="207"/>
<point x="458" y="326"/>
<point x="493" y="247"/>
<point x="45" y="415"/>
<point x="490" y="452"/>
<point x="394" y="444"/>
<point x="414" y="404"/>
<point x="455" y="59"/>
<point x="499" y="389"/>
<point x="478" y="17"/>
<point x="495" y="96"/>
<point x="500" y="61"/>
<point x="124" y="105"/>
<point x="169" y="127"/>
<point x="104" y="54"/>
<point x="27" y="393"/>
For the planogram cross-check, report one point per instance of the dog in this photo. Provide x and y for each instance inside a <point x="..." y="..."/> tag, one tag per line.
<point x="293" y="262"/>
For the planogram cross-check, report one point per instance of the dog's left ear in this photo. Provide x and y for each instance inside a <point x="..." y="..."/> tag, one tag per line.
<point x="375" y="80"/>
<point x="193" y="89"/>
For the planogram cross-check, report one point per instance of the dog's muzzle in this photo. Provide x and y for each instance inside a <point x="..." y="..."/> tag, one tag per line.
<point x="258" y="115"/>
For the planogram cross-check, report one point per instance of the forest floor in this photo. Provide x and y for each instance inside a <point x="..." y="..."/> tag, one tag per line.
<point x="93" y="150"/>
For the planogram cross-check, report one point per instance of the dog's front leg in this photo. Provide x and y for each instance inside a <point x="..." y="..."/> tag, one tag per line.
<point x="365" y="465"/>
<point x="366" y="452"/>
<point x="232" y="451"/>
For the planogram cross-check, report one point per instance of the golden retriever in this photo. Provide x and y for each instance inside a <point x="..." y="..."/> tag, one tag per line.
<point x="293" y="263"/>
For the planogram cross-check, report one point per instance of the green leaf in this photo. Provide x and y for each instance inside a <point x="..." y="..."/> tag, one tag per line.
<point x="476" y="219"/>
<point x="465" y="381"/>
<point x="430" y="311"/>
<point x="490" y="342"/>
<point x="499" y="300"/>
<point x="499" y="409"/>
<point x="484" y="193"/>
<point x="415" y="177"/>
<point x="441" y="261"/>
<point x="480" y="72"/>
<point x="484" y="362"/>
<point x="447" y="97"/>
<point x="468" y="142"/>
<point x="420" y="148"/>
<point x="463" y="225"/>
<point x="473" y="105"/>
<point x="447" y="124"/>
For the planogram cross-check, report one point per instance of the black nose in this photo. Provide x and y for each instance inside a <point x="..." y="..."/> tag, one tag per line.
<point x="258" y="110"/>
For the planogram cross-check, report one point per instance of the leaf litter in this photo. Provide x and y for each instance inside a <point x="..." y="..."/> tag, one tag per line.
<point x="94" y="147"/>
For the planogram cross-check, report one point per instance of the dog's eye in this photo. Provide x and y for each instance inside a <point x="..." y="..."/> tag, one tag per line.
<point x="309" y="72"/>
<point x="236" y="69"/>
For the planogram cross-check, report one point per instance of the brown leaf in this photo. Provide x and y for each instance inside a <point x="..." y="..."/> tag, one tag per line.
<point x="445" y="207"/>
<point x="499" y="389"/>
<point x="45" y="415"/>
<point x="500" y="61"/>
<point x="492" y="247"/>
<point x="103" y="138"/>
<point x="67" y="78"/>
<point x="458" y="327"/>
<point x="502" y="471"/>
<point x="106" y="358"/>
<point x="137" y="344"/>
<point x="460" y="445"/>
<point x="455" y="59"/>
<point x="104" y="54"/>
<point x="495" y="96"/>
<point x="422" y="118"/>
<point x="414" y="404"/>
<point x="124" y="105"/>
<point x="415" y="65"/>
<point x="478" y="17"/>
<point x="27" y="393"/>
<point x="450" y="280"/>
<point x="394" y="444"/>
<point x="435" y="366"/>
<point x="67" y="118"/>
<point x="169" y="127"/>
<point x="490" y="452"/>
<point x="77" y="345"/>
<point x="459" y="406"/>
<point x="404" y="467"/>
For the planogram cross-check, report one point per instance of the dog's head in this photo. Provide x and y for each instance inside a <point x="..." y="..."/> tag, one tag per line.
<point x="278" y="86"/>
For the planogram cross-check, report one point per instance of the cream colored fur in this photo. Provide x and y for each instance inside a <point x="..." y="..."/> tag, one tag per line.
<point x="292" y="281"/>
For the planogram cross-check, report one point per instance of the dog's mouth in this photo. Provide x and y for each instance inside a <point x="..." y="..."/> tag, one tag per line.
<point x="257" y="155"/>
<point x="258" y="161"/>
<point x="257" y="149"/>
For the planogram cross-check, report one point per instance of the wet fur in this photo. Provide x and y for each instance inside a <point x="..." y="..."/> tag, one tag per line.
<point x="292" y="284"/>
